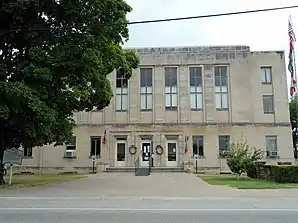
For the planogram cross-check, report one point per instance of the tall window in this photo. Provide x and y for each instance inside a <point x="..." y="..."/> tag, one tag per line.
<point x="121" y="92"/>
<point x="196" y="90"/>
<point x="268" y="104"/>
<point x="271" y="145"/>
<point x="171" y="99"/>
<point x="95" y="146"/>
<point x="28" y="152"/>
<point x="221" y="87"/>
<point x="223" y="143"/>
<point x="266" y="75"/>
<point x="198" y="145"/>
<point x="146" y="88"/>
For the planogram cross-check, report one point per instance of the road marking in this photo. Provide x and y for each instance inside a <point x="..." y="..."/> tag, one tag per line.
<point x="144" y="198"/>
<point x="149" y="209"/>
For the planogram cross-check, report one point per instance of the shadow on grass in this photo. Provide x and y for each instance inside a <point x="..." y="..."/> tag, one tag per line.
<point x="243" y="182"/>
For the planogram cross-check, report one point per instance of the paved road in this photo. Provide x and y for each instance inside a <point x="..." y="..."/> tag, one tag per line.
<point x="164" y="197"/>
<point x="148" y="217"/>
<point x="135" y="210"/>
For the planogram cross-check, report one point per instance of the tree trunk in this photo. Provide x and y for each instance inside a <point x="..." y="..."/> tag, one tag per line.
<point x="2" y="182"/>
<point x="1" y="162"/>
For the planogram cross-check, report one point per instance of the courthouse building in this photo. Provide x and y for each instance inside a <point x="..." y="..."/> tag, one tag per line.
<point x="181" y="101"/>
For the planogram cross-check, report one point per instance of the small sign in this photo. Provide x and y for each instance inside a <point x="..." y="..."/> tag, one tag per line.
<point x="196" y="156"/>
<point x="13" y="156"/>
<point x="93" y="158"/>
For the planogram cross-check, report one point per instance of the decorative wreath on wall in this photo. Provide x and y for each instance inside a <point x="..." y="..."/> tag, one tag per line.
<point x="159" y="149"/>
<point x="132" y="149"/>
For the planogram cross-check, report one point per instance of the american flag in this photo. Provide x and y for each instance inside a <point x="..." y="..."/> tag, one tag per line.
<point x="104" y="137"/>
<point x="291" y="33"/>
<point x="292" y="64"/>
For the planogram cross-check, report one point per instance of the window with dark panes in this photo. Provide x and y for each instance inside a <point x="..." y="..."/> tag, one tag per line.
<point x="198" y="145"/>
<point x="268" y="104"/>
<point x="223" y="142"/>
<point x="146" y="88"/>
<point x="71" y="145"/>
<point x="95" y="149"/>
<point x="221" y="87"/>
<point x="196" y="89"/>
<point x="121" y="92"/>
<point x="171" y="88"/>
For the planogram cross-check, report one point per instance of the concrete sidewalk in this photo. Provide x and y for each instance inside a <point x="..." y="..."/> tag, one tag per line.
<point x="155" y="185"/>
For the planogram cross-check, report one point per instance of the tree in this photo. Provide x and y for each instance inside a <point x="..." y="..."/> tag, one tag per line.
<point x="55" y="58"/>
<point x="241" y="157"/>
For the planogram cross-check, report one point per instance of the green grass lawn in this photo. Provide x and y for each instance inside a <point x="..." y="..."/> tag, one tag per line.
<point x="39" y="180"/>
<point x="243" y="182"/>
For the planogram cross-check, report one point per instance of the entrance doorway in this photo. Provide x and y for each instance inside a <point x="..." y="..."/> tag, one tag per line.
<point x="145" y="153"/>
<point x="171" y="153"/>
<point x="120" y="153"/>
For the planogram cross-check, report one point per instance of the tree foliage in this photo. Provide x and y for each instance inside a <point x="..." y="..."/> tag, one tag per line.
<point x="242" y="157"/>
<point x="55" y="58"/>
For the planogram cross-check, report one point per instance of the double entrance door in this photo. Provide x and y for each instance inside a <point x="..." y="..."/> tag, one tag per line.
<point x="146" y="153"/>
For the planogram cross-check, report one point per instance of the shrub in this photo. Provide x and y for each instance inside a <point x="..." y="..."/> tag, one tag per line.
<point x="285" y="174"/>
<point x="241" y="158"/>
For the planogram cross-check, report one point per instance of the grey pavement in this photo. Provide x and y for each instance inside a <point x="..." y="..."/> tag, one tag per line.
<point x="133" y="210"/>
<point x="161" y="197"/>
<point x="156" y="185"/>
<point x="148" y="217"/>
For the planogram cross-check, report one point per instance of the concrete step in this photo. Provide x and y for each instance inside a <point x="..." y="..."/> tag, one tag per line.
<point x="143" y="172"/>
<point x="153" y="169"/>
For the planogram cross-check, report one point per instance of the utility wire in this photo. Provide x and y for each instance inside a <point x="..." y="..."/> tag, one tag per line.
<point x="162" y="20"/>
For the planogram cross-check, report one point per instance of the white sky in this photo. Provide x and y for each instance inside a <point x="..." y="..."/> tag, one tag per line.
<point x="260" y="31"/>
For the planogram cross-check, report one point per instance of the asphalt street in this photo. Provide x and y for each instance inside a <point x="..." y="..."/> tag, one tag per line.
<point x="147" y="210"/>
<point x="148" y="217"/>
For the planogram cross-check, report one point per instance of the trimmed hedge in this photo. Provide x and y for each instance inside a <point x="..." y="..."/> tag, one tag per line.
<point x="285" y="174"/>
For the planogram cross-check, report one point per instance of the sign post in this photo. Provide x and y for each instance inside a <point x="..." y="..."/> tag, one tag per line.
<point x="93" y="164"/>
<point x="12" y="156"/>
<point x="196" y="156"/>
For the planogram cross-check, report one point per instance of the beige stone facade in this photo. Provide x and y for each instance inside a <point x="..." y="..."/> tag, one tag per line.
<point x="182" y="96"/>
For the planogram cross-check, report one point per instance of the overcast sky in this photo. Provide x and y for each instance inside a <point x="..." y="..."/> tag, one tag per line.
<point x="260" y="31"/>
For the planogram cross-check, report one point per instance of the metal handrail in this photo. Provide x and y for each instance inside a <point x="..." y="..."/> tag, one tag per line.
<point x="137" y="164"/>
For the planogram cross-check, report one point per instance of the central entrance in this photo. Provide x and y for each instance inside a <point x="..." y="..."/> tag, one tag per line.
<point x="145" y="153"/>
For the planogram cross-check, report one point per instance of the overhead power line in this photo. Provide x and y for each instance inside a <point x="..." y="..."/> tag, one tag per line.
<point x="213" y="15"/>
<point x="165" y="20"/>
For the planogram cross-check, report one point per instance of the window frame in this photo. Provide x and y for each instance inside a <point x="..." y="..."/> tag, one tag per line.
<point x="196" y="93"/>
<point x="263" y="68"/>
<point x="146" y="93"/>
<point x="94" y="151"/>
<point x="28" y="152"/>
<point x="122" y="93"/>
<point x="199" y="139"/>
<point x="227" y="139"/>
<point x="273" y="106"/>
<point x="221" y="93"/>
<point x="171" y="93"/>
<point x="72" y="144"/>
<point x="271" y="138"/>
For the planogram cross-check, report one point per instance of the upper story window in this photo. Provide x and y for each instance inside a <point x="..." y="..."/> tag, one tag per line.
<point x="268" y="104"/>
<point x="221" y="87"/>
<point x="171" y="89"/>
<point x="266" y="75"/>
<point x="196" y="89"/>
<point x="121" y="91"/>
<point x="146" y="88"/>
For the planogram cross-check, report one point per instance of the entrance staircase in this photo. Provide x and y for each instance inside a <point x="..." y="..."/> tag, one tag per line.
<point x="141" y="169"/>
